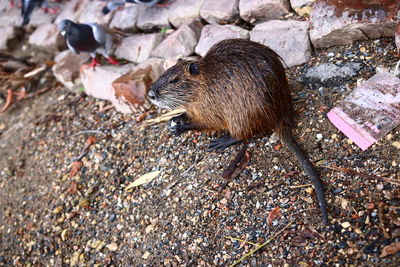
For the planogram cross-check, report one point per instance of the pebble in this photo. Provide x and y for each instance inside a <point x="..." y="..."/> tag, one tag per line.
<point x="345" y="224"/>
<point x="112" y="246"/>
<point x="146" y="255"/>
<point x="331" y="54"/>
<point x="57" y="210"/>
<point x="396" y="144"/>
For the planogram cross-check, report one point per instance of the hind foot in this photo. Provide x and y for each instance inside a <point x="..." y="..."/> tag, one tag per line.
<point x="221" y="143"/>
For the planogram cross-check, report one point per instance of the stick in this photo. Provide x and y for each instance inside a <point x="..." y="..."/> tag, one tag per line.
<point x="261" y="246"/>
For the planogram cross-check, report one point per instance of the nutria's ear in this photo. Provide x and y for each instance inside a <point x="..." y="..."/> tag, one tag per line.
<point x="193" y="68"/>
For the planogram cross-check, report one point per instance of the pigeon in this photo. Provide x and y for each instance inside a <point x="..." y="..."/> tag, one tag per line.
<point x="113" y="5"/>
<point x="28" y="6"/>
<point x="90" y="38"/>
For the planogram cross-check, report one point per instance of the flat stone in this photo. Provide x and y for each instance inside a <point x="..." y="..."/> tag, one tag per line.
<point x="137" y="48"/>
<point x="212" y="34"/>
<point x="66" y="69"/>
<point x="180" y="43"/>
<point x="91" y="13"/>
<point x="98" y="82"/>
<point x="302" y="7"/>
<point x="288" y="38"/>
<point x="153" y="17"/>
<point x="220" y="12"/>
<point x="72" y="10"/>
<point x="330" y="75"/>
<point x="40" y="17"/>
<point x="256" y="11"/>
<point x="8" y="35"/>
<point x="126" y="18"/>
<point x="47" y="36"/>
<point x="11" y="17"/>
<point x="329" y="27"/>
<point x="184" y="11"/>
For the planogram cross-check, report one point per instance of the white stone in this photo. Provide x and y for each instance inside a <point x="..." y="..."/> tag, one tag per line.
<point x="72" y="10"/>
<point x="212" y="34"/>
<point x="255" y="11"/>
<point x="220" y="12"/>
<point x="137" y="48"/>
<point x="126" y="18"/>
<point x="288" y="38"/>
<point x="66" y="69"/>
<point x="153" y="17"/>
<point x="180" y="43"/>
<point x="184" y="11"/>
<point x="47" y="36"/>
<point x="92" y="13"/>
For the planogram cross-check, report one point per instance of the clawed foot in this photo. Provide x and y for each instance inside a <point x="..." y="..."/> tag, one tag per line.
<point x="112" y="61"/>
<point x="93" y="64"/>
<point x="222" y="143"/>
<point x="177" y="125"/>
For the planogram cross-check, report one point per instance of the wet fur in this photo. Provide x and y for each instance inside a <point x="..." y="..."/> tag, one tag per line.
<point x="239" y="86"/>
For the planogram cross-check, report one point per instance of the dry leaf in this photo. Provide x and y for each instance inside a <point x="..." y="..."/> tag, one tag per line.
<point x="75" y="167"/>
<point x="390" y="249"/>
<point x="72" y="188"/>
<point x="144" y="179"/>
<point x="91" y="140"/>
<point x="273" y="214"/>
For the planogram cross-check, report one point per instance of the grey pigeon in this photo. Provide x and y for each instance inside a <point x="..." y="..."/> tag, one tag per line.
<point x="113" y="5"/>
<point x="90" y="38"/>
<point x="27" y="8"/>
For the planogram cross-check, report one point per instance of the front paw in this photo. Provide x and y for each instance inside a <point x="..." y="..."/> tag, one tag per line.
<point x="176" y="125"/>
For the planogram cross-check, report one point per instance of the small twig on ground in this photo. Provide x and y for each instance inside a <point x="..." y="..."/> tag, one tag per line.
<point x="89" y="132"/>
<point x="241" y="240"/>
<point x="298" y="186"/>
<point x="365" y="175"/>
<point x="261" y="246"/>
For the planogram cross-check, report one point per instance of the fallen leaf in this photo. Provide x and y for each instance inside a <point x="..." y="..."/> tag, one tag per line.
<point x="390" y="249"/>
<point x="277" y="147"/>
<point x="75" y="167"/>
<point x="144" y="179"/>
<point x="273" y="214"/>
<point x="91" y="140"/>
<point x="72" y="188"/>
<point x="302" y="238"/>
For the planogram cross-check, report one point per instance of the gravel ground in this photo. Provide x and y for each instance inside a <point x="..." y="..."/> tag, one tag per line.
<point x="63" y="199"/>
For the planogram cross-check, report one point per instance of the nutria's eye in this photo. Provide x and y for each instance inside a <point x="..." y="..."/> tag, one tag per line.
<point x="193" y="68"/>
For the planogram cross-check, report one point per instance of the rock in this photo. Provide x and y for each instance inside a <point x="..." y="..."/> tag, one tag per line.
<point x="220" y="12"/>
<point x="184" y="11"/>
<point x="126" y="18"/>
<point x="153" y="17"/>
<point x="8" y="36"/>
<point x="330" y="75"/>
<point x="112" y="246"/>
<point x="91" y="13"/>
<point x="131" y="89"/>
<point x="47" y="36"/>
<point x="98" y="82"/>
<point x="255" y="11"/>
<point x="137" y="48"/>
<point x="66" y="69"/>
<point x="302" y="7"/>
<point x="288" y="38"/>
<point x="40" y="17"/>
<point x="179" y="43"/>
<point x="330" y="26"/>
<point x="72" y="10"/>
<point x="157" y="67"/>
<point x="11" y="17"/>
<point x="212" y="34"/>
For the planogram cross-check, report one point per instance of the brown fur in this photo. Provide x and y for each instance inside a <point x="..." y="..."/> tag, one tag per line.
<point x="239" y="86"/>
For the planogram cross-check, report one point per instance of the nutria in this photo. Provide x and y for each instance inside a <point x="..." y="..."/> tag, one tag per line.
<point x="239" y="86"/>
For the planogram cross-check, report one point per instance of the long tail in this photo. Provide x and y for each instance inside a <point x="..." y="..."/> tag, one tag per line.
<point x="290" y="142"/>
